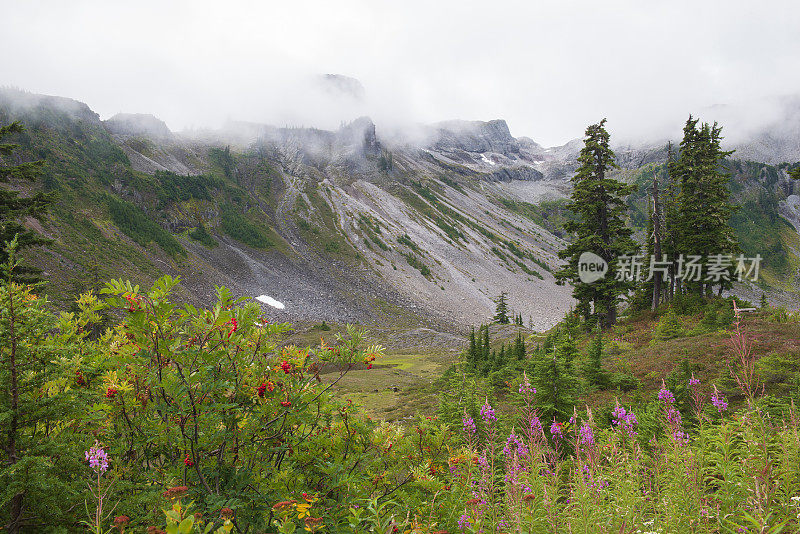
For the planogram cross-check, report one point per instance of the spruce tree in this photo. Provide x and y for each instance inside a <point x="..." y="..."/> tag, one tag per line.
<point x="669" y="326"/>
<point x="472" y="354"/>
<point x="485" y="348"/>
<point x="519" y="348"/>
<point x="597" y="200"/>
<point x="14" y="208"/>
<point x="567" y="350"/>
<point x="670" y="231"/>
<point x="593" y="371"/>
<point x="555" y="384"/>
<point x="704" y="209"/>
<point x="501" y="311"/>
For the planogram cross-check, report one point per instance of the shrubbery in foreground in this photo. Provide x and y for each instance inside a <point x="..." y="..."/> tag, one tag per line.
<point x="179" y="411"/>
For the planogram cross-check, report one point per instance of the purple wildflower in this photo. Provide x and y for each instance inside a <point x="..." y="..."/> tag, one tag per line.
<point x="487" y="413"/>
<point x="694" y="381"/>
<point x="515" y="445"/>
<point x="718" y="400"/>
<point x="674" y="417"/>
<point x="469" y="425"/>
<point x="586" y="435"/>
<point x="98" y="459"/>
<point x="535" y="425"/>
<point x="463" y="521"/>
<point x="555" y="430"/>
<point x="624" y="420"/>
<point x="525" y="387"/>
<point x="666" y="395"/>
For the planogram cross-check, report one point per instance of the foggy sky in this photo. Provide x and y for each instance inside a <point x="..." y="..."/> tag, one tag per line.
<point x="548" y="67"/>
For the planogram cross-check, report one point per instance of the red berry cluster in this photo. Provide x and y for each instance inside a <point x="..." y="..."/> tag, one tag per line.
<point x="286" y="404"/>
<point x="111" y="393"/>
<point x="188" y="461"/>
<point x="133" y="303"/>
<point x="233" y="325"/>
<point x="264" y="387"/>
<point x="286" y="366"/>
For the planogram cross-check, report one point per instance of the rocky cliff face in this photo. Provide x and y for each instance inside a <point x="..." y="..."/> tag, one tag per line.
<point x="452" y="137"/>
<point x="138" y="125"/>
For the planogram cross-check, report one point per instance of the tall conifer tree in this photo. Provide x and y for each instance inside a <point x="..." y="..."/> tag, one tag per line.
<point x="598" y="202"/>
<point x="703" y="211"/>
<point x="14" y="208"/>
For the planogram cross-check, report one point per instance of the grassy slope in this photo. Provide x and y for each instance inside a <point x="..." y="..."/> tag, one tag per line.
<point x="94" y="179"/>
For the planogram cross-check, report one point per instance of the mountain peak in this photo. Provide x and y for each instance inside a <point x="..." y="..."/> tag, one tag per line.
<point x="138" y="124"/>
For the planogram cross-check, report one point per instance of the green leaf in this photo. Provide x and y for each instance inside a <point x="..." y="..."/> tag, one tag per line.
<point x="186" y="525"/>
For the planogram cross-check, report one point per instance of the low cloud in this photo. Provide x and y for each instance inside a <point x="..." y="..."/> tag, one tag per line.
<point x="549" y="69"/>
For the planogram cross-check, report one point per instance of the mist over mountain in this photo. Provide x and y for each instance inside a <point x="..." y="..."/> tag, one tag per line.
<point x="435" y="218"/>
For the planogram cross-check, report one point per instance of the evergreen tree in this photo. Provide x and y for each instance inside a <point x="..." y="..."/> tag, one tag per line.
<point x="593" y="371"/>
<point x="709" y="320"/>
<point x="485" y="348"/>
<point x="704" y="210"/>
<point x="764" y="303"/>
<point x="599" y="227"/>
<point x="656" y="237"/>
<point x="670" y="232"/>
<point x="14" y="208"/>
<point x="501" y="311"/>
<point x="40" y="453"/>
<point x="669" y="326"/>
<point x="555" y="385"/>
<point x="519" y="348"/>
<point x="472" y="354"/>
<point x="567" y="350"/>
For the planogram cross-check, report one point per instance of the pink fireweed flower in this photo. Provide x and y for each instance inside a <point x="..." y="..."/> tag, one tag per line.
<point x="674" y="417"/>
<point x="694" y="381"/>
<point x="665" y="395"/>
<point x="718" y="400"/>
<point x="514" y="445"/>
<point x="555" y="430"/>
<point x="483" y="461"/>
<point x="97" y="458"/>
<point x="535" y="425"/>
<point x="586" y="435"/>
<point x="469" y="425"/>
<point x="675" y="421"/>
<point x="624" y="420"/>
<point x="487" y="413"/>
<point x="525" y="387"/>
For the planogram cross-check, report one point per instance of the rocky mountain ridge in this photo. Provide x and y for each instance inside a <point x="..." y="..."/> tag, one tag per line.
<point x="362" y="225"/>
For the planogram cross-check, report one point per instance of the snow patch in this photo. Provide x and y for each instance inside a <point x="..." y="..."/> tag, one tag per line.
<point x="487" y="160"/>
<point x="266" y="299"/>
